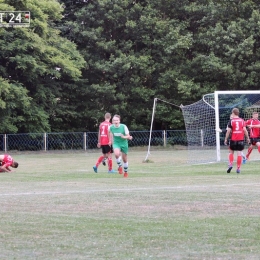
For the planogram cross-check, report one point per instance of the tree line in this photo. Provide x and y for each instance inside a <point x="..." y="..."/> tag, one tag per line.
<point x="82" y="58"/>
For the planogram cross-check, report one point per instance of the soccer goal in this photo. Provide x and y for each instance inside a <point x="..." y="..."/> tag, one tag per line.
<point x="206" y="122"/>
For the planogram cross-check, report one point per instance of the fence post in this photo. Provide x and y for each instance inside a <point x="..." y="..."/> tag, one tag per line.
<point x="164" y="138"/>
<point x="45" y="141"/>
<point x="85" y="141"/>
<point x="5" y="141"/>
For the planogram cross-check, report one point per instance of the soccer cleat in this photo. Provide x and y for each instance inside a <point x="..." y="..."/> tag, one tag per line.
<point x="95" y="168"/>
<point x="120" y="170"/>
<point x="244" y="160"/>
<point x="125" y="175"/>
<point x="238" y="170"/>
<point x="104" y="162"/>
<point x="229" y="169"/>
<point x="111" y="171"/>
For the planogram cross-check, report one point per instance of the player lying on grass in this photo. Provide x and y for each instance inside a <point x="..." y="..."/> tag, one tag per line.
<point x="6" y="162"/>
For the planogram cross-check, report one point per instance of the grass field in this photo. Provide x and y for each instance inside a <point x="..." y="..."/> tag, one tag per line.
<point x="55" y="207"/>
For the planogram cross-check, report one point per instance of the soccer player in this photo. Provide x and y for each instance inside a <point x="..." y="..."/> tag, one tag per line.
<point x="103" y="142"/>
<point x="254" y="134"/>
<point x="243" y="156"/>
<point x="237" y="128"/>
<point x="119" y="136"/>
<point x="6" y="162"/>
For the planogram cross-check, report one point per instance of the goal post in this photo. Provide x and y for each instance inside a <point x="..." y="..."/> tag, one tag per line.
<point x="151" y="129"/>
<point x="246" y="94"/>
<point x="206" y="120"/>
<point x="152" y="120"/>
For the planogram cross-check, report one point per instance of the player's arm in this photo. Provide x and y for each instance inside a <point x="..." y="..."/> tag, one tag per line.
<point x="98" y="144"/>
<point x="227" y="135"/>
<point x="5" y="168"/>
<point x="254" y="126"/>
<point x="127" y="134"/>
<point x="110" y="136"/>
<point x="246" y="134"/>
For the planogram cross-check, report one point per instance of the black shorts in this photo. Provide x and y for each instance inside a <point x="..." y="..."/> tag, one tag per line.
<point x="236" y="145"/>
<point x="253" y="141"/>
<point x="107" y="149"/>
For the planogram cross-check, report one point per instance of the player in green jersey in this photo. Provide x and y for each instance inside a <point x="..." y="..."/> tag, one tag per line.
<point x="119" y="136"/>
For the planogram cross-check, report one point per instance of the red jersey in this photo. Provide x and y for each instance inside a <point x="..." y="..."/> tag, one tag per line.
<point x="237" y="125"/>
<point x="7" y="161"/>
<point x="254" y="132"/>
<point x="103" y="132"/>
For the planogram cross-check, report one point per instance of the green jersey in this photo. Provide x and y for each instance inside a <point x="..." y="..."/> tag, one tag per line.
<point x="117" y="132"/>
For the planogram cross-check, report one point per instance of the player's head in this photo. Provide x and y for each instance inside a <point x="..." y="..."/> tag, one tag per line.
<point x="255" y="115"/>
<point x="116" y="120"/>
<point x="235" y="111"/>
<point x="231" y="116"/>
<point x="15" y="164"/>
<point x="107" y="116"/>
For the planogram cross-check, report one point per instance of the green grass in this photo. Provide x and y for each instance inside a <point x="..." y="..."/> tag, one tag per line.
<point x="55" y="207"/>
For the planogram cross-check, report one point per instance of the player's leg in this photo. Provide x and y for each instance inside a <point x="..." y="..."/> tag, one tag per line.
<point x="243" y="157"/>
<point x="104" y="161"/>
<point x="110" y="163"/>
<point x="239" y="161"/>
<point x="117" y="152"/>
<point x="230" y="156"/>
<point x="250" y="148"/>
<point x="258" y="146"/>
<point x="239" y="148"/>
<point x="95" y="167"/>
<point x="249" y="151"/>
<point x="110" y="160"/>
<point x="125" y="161"/>
<point x="99" y="160"/>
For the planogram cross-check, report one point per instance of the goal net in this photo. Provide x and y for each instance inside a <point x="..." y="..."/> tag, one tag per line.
<point x="206" y="122"/>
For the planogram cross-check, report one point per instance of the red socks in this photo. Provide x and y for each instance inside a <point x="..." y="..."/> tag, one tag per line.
<point x="100" y="159"/>
<point x="239" y="161"/>
<point x="231" y="158"/>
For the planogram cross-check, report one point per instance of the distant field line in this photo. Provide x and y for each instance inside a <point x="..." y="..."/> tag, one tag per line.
<point x="128" y="189"/>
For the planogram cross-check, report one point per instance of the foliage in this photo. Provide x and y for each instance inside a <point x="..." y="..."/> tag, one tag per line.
<point x="80" y="59"/>
<point x="38" y="60"/>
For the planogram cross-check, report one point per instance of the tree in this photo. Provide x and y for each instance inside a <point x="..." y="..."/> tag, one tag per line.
<point x="225" y="53"/>
<point x="133" y="50"/>
<point x="39" y="60"/>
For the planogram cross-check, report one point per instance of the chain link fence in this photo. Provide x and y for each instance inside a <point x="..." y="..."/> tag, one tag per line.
<point x="85" y="140"/>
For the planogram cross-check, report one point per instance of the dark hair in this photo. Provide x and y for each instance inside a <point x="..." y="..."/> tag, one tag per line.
<point x="15" y="164"/>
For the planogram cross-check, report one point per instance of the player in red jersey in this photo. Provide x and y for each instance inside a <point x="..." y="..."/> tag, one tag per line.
<point x="243" y="156"/>
<point x="6" y="162"/>
<point x="254" y="134"/>
<point x="103" y="142"/>
<point x="237" y="128"/>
